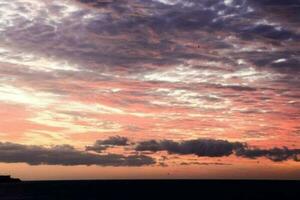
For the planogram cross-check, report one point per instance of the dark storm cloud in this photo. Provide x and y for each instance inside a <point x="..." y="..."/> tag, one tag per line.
<point x="218" y="148"/>
<point x="65" y="155"/>
<point x="101" y="145"/>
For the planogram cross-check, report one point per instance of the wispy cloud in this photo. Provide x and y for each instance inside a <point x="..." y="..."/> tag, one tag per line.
<point x="75" y="71"/>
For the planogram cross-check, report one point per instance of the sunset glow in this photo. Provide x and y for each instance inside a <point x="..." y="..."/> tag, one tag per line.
<point x="149" y="89"/>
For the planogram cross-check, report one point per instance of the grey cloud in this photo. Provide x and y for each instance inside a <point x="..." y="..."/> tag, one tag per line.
<point x="291" y="65"/>
<point x="174" y="21"/>
<point x="274" y="154"/>
<point x="101" y="145"/>
<point x="203" y="163"/>
<point x="286" y="9"/>
<point x="65" y="155"/>
<point x="289" y="60"/>
<point x="134" y="19"/>
<point x="279" y="2"/>
<point x="114" y="140"/>
<point x="239" y="88"/>
<point x="218" y="148"/>
<point x="200" y="147"/>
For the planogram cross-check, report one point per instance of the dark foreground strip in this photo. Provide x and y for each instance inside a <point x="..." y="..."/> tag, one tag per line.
<point x="151" y="189"/>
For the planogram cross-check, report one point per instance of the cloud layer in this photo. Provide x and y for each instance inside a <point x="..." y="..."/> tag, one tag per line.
<point x="218" y="148"/>
<point x="201" y="147"/>
<point x="65" y="155"/>
<point x="69" y="156"/>
<point x="101" y="145"/>
<point x="77" y="71"/>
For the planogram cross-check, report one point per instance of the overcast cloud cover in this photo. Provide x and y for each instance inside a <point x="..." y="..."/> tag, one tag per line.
<point x="79" y="72"/>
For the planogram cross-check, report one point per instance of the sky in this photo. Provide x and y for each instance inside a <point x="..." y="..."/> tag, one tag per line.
<point x="138" y="89"/>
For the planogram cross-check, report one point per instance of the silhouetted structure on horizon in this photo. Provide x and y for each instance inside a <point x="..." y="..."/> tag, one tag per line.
<point x="8" y="179"/>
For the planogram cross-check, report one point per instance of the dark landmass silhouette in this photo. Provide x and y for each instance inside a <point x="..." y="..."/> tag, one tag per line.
<point x="8" y="179"/>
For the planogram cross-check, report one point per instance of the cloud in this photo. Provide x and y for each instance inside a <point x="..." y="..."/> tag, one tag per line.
<point x="65" y="155"/>
<point x="101" y="145"/>
<point x="134" y="34"/>
<point x="274" y="154"/>
<point x="279" y="2"/>
<point x="199" y="147"/>
<point x="200" y="62"/>
<point x="203" y="163"/>
<point x="218" y="148"/>
<point x="239" y="88"/>
<point x="114" y="140"/>
<point x="69" y="156"/>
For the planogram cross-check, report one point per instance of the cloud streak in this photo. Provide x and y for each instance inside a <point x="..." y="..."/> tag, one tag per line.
<point x="201" y="147"/>
<point x="68" y="155"/>
<point x="218" y="148"/>
<point x="112" y="141"/>
<point x="65" y="155"/>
